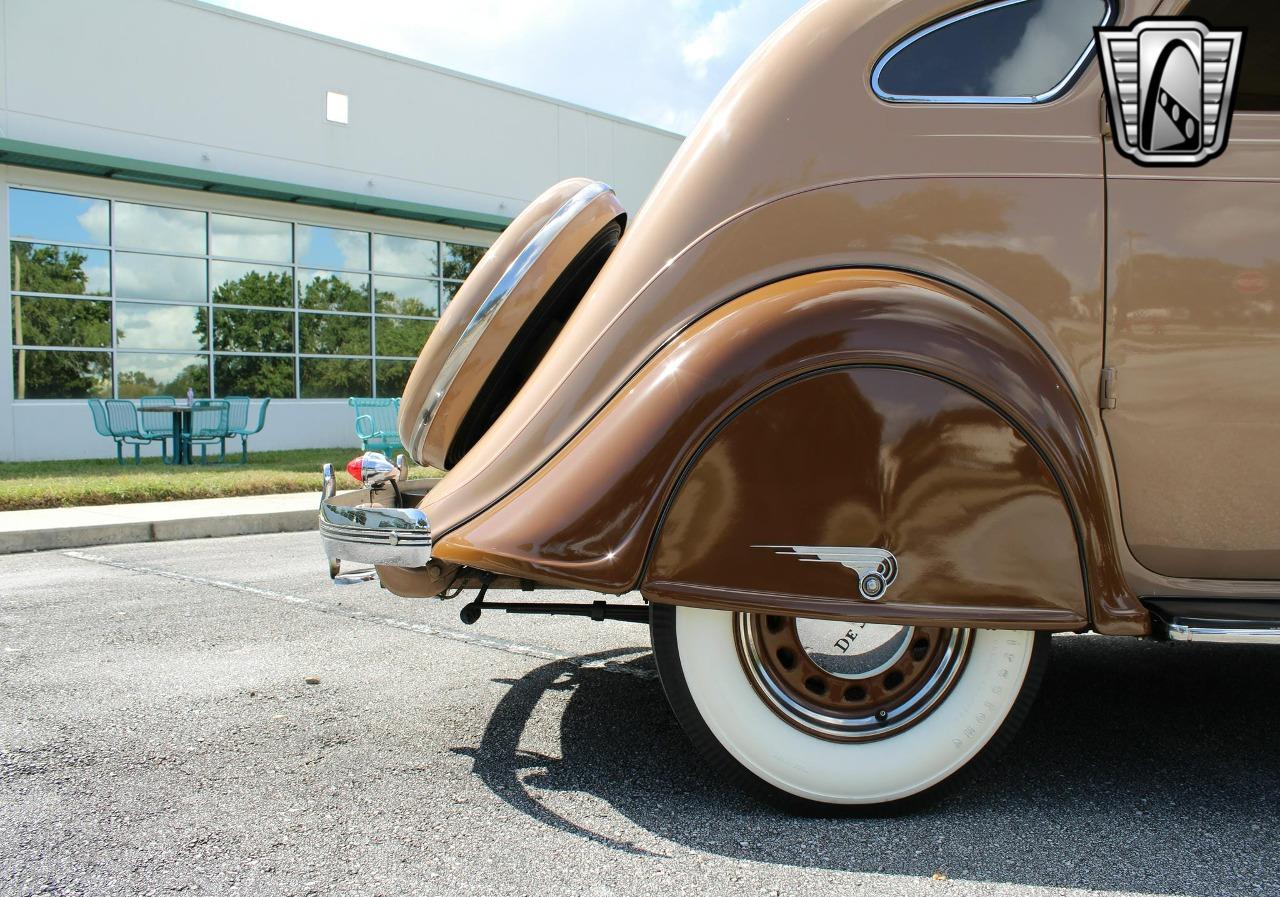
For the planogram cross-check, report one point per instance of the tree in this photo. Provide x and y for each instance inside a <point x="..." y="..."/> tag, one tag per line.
<point x="273" y="289"/>
<point x="45" y="321"/>
<point x="459" y="260"/>
<point x="333" y="293"/>
<point x="253" y="330"/>
<point x="403" y="337"/>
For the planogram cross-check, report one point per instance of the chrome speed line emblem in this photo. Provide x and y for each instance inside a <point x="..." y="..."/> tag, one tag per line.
<point x="875" y="567"/>
<point x="1170" y="84"/>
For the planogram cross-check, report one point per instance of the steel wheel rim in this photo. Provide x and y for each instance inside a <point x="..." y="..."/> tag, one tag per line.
<point x="899" y="688"/>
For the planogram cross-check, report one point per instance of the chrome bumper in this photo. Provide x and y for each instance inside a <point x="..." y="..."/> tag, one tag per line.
<point x="352" y="529"/>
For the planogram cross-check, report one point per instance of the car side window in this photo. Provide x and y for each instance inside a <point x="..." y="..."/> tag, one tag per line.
<point x="1012" y="51"/>
<point x="1258" y="89"/>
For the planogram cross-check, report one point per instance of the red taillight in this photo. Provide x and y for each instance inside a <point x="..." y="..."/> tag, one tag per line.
<point x="355" y="467"/>
<point x="372" y="469"/>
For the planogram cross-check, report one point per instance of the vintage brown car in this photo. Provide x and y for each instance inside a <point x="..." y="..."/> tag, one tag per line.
<point x="901" y="368"/>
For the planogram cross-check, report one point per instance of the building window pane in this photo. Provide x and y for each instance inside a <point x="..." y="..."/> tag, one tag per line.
<point x="36" y="268"/>
<point x="171" y="317"/>
<point x="334" y="378"/>
<point x="61" y="375"/>
<point x="329" y="247"/>
<point x="1019" y="50"/>
<point x="160" y="277"/>
<point x="55" y="217"/>
<point x="159" y="228"/>
<point x="405" y="255"/>
<point x="447" y="292"/>
<point x="81" y="323"/>
<point x="406" y="296"/>
<point x="237" y="283"/>
<point x="334" y="334"/>
<point x="333" y="291"/>
<point x="403" y="336"/>
<point x="142" y="325"/>
<point x="250" y="238"/>
<point x="392" y="376"/>
<point x="157" y="374"/>
<point x="247" y="330"/>
<point x="459" y="260"/>
<point x="253" y="375"/>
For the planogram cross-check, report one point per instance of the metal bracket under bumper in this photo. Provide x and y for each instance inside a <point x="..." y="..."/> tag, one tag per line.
<point x="352" y="529"/>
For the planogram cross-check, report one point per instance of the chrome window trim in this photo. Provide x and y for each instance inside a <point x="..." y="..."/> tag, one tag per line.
<point x="506" y="284"/>
<point x="1108" y="16"/>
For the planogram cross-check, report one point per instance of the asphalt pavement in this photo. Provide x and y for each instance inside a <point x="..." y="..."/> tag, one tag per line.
<point x="158" y="734"/>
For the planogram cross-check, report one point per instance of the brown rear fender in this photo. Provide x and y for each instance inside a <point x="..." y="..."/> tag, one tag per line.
<point x="856" y="408"/>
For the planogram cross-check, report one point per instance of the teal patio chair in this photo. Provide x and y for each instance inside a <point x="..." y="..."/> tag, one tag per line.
<point x="238" y="422"/>
<point x="209" y="425"/>
<point x="157" y="426"/>
<point x="377" y="424"/>
<point x="122" y="426"/>
<point x="103" y="426"/>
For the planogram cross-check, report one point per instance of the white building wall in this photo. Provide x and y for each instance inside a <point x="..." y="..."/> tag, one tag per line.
<point x="187" y="84"/>
<point x="181" y="83"/>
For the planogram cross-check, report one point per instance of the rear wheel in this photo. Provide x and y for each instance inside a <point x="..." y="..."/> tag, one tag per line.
<point x="816" y="714"/>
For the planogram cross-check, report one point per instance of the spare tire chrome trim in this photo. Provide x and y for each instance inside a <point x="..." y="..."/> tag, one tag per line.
<point x="497" y="296"/>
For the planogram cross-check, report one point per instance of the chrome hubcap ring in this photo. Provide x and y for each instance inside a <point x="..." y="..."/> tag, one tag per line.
<point x="846" y="681"/>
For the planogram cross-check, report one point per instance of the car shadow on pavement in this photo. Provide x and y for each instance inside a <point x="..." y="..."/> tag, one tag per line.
<point x="1143" y="767"/>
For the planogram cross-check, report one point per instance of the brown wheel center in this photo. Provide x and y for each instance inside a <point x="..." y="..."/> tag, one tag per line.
<point x="849" y="681"/>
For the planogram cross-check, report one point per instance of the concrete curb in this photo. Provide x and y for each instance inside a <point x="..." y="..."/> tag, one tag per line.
<point x="57" y="528"/>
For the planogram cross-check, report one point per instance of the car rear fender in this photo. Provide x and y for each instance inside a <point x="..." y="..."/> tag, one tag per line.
<point x="854" y="408"/>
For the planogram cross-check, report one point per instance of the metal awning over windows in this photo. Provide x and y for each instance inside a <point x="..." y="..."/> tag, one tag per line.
<point x="54" y="158"/>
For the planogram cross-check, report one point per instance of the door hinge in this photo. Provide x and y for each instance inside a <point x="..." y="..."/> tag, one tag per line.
<point x="1104" y="118"/>
<point x="1107" y="394"/>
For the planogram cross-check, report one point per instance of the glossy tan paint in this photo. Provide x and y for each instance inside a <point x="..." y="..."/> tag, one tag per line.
<point x="1194" y="333"/>
<point x="587" y="518"/>
<point x="746" y="201"/>
<point x="891" y="458"/>
<point x="438" y="436"/>
<point x="799" y="167"/>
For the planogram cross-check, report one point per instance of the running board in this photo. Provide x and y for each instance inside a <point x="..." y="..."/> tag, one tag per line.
<point x="1200" y="631"/>
<point x="1227" y="621"/>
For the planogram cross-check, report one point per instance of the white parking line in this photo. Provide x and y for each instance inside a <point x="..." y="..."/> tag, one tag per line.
<point x="479" y="641"/>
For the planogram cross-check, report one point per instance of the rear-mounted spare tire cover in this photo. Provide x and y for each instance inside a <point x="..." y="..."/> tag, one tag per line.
<point x="505" y="316"/>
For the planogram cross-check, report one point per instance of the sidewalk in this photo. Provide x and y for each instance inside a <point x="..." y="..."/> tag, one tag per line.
<point x="50" y="528"/>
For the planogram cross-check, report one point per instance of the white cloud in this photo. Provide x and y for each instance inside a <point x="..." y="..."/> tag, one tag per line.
<point x="157" y="227"/>
<point x="160" y="327"/>
<point x="250" y="238"/>
<point x="656" y="61"/>
<point x="1052" y="43"/>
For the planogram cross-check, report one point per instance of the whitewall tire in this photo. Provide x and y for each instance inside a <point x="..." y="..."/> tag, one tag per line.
<point x="818" y="732"/>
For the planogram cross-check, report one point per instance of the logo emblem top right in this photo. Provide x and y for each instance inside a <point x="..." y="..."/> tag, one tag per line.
<point x="1170" y="85"/>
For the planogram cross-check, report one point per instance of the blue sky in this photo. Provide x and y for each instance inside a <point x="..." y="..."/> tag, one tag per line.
<point x="656" y="61"/>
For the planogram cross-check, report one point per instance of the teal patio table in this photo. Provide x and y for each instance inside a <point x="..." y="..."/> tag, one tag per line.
<point x="181" y="429"/>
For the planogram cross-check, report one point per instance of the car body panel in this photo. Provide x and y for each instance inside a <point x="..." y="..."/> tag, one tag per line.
<point x="686" y="251"/>
<point x="809" y="226"/>
<point x="891" y="457"/>
<point x="428" y="434"/>
<point x="588" y="517"/>
<point x="1194" y="335"/>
